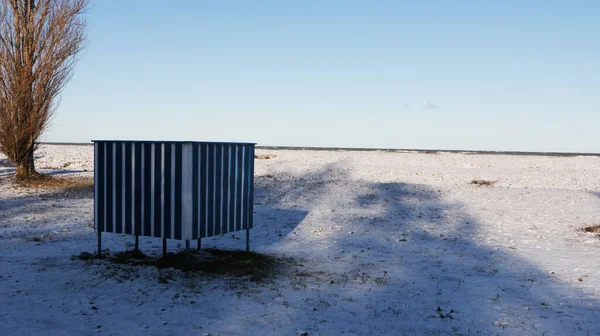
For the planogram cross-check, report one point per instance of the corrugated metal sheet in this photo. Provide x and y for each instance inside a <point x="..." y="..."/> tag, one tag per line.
<point x="176" y="190"/>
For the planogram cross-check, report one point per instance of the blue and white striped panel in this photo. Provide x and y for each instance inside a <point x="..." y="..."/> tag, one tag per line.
<point x="175" y="190"/>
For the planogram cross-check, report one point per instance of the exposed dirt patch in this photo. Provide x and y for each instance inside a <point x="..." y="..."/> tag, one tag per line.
<point x="208" y="262"/>
<point x="66" y="187"/>
<point x="592" y="229"/>
<point x="265" y="156"/>
<point x="483" y="183"/>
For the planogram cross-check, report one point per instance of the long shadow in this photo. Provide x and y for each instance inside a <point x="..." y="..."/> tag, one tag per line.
<point x="7" y="171"/>
<point x="27" y="204"/>
<point x="65" y="171"/>
<point x="419" y="262"/>
<point x="5" y="162"/>
<point x="273" y="221"/>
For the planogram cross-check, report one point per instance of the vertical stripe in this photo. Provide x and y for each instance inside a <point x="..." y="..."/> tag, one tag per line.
<point x="249" y="191"/>
<point x="147" y="210"/>
<point x="131" y="185"/>
<point x="162" y="191"/>
<point x="223" y="187"/>
<point x="136" y="219"/>
<point x="196" y="191"/>
<point x="229" y="190"/>
<point x="218" y="188"/>
<point x="99" y="186"/>
<point x="251" y="188"/>
<point x="204" y="192"/>
<point x="215" y="199"/>
<point x="113" y="188"/>
<point x="109" y="187"/>
<point x="142" y="168"/>
<point x="178" y="190"/>
<point x="168" y="159"/>
<point x="96" y="186"/>
<point x="124" y="207"/>
<point x="105" y="191"/>
<point x="238" y="188"/>
<point x="210" y="190"/>
<point x="127" y="188"/>
<point x="172" y="193"/>
<point x="210" y="196"/>
<point x="187" y="183"/>
<point x="118" y="188"/>
<point x="243" y="190"/>
<point x="156" y="190"/>
<point x="152" y="184"/>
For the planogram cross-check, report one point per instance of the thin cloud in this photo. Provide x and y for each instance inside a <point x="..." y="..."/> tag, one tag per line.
<point x="430" y="106"/>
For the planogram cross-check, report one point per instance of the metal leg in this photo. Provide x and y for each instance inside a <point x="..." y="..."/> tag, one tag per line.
<point x="137" y="243"/>
<point x="164" y="247"/>
<point x="199" y="244"/>
<point x="99" y="244"/>
<point x="248" y="239"/>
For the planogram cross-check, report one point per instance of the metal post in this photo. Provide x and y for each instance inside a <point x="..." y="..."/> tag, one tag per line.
<point x="164" y="247"/>
<point x="199" y="244"/>
<point x="99" y="243"/>
<point x="137" y="243"/>
<point x="248" y="239"/>
<point x="187" y="251"/>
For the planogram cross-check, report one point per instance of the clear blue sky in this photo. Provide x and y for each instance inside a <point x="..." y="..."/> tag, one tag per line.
<point x="488" y="75"/>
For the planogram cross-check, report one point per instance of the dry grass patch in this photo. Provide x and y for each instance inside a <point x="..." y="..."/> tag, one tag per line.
<point x="264" y="156"/>
<point x="48" y="182"/>
<point x="592" y="229"/>
<point x="70" y="187"/>
<point x="207" y="262"/>
<point x="483" y="183"/>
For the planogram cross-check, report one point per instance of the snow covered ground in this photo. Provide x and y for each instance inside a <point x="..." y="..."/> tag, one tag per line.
<point x="382" y="243"/>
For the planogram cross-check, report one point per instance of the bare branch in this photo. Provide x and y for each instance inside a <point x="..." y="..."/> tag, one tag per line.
<point x="39" y="42"/>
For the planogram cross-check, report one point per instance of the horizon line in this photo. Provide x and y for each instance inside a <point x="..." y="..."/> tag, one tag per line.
<point x="392" y="150"/>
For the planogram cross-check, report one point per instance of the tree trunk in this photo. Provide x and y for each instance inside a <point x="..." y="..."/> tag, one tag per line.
<point x="26" y="168"/>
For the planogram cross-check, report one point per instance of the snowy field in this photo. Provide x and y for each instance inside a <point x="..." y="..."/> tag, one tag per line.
<point x="382" y="244"/>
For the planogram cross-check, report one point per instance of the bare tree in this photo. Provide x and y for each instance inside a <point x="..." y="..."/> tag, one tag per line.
<point x="39" y="42"/>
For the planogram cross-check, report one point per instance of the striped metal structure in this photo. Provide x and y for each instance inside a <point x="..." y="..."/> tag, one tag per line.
<point x="175" y="190"/>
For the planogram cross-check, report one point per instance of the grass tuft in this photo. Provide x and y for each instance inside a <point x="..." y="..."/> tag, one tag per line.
<point x="483" y="183"/>
<point x="265" y="156"/>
